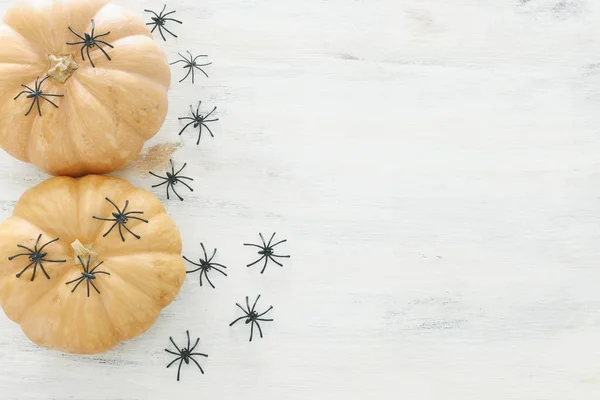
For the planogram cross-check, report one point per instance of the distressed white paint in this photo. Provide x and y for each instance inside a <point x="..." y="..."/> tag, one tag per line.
<point x="435" y="165"/>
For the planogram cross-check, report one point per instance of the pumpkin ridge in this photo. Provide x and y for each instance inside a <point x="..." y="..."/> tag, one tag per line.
<point x="46" y="233"/>
<point x="124" y="122"/>
<point x="155" y="303"/>
<point x="34" y="47"/>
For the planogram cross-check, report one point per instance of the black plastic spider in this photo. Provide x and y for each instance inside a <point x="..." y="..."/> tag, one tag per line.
<point x="88" y="41"/>
<point x="199" y="121"/>
<point x="88" y="275"/>
<point x="266" y="252"/>
<point x="121" y="218"/>
<point x="37" y="94"/>
<point x="185" y="354"/>
<point x="36" y="256"/>
<point x="191" y="64"/>
<point x="172" y="179"/>
<point x="206" y="265"/>
<point x="159" y="21"/>
<point x="252" y="316"/>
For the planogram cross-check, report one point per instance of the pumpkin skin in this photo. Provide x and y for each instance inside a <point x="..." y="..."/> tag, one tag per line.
<point x="145" y="274"/>
<point x="107" y="112"/>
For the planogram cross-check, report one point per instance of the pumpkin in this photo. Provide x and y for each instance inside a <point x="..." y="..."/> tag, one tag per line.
<point x="90" y="105"/>
<point x="86" y="263"/>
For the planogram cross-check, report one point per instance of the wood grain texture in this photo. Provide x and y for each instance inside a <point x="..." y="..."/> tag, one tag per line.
<point x="435" y="167"/>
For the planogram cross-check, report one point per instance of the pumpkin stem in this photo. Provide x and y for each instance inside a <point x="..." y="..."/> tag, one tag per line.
<point x="83" y="251"/>
<point x="61" y="67"/>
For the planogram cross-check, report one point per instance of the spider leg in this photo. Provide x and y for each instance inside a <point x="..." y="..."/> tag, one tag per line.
<point x="90" y="58"/>
<point x="78" y="283"/>
<point x="175" y="360"/>
<point x="75" y="280"/>
<point x="103" y="51"/>
<point x="243" y="309"/>
<point x="74" y="43"/>
<point x="158" y="176"/>
<point x="168" y="188"/>
<point x="237" y="320"/>
<point x="211" y="120"/>
<point x="24" y="91"/>
<point x="188" y="337"/>
<point x="199" y="133"/>
<point x="173" y="19"/>
<point x="198" y="56"/>
<point x="139" y="219"/>
<point x="259" y="330"/>
<point x="186" y="185"/>
<point x="102" y="272"/>
<point x="269" y="309"/>
<point x="37" y="100"/>
<point x="251" y="330"/>
<point x="179" y="178"/>
<point x="194" y="346"/>
<point x="93" y="27"/>
<point x="43" y="269"/>
<point x="281" y="241"/>
<point x="94" y="286"/>
<point x="172" y="352"/>
<point x="150" y="11"/>
<point x="208" y="115"/>
<point x="169" y="13"/>
<point x="104" y="219"/>
<point x="172" y="167"/>
<point x="101" y="35"/>
<point x="265" y="266"/>
<point x="76" y="34"/>
<point x="191" y="262"/>
<point x="177" y="194"/>
<point x="26" y="248"/>
<point x="124" y="208"/>
<point x="155" y="26"/>
<point x="270" y="240"/>
<point x="255" y="301"/>
<point x="18" y="255"/>
<point x="218" y="270"/>
<point x="25" y="269"/>
<point x="87" y="281"/>
<point x="180" y="169"/>
<point x="263" y="240"/>
<point x="129" y="230"/>
<point x="196" y="362"/>
<point x="164" y="8"/>
<point x="192" y="70"/>
<point x="185" y="127"/>
<point x="180" y="118"/>
<point x="165" y="28"/>
<point x="201" y="273"/>
<point x="254" y="245"/>
<point x="186" y="75"/>
<point x="249" y="265"/>
<point x="31" y="107"/>
<point x="209" y="131"/>
<point x="277" y="255"/>
<point x="213" y="254"/>
<point x="204" y="251"/>
<point x="56" y="261"/>
<point x="82" y="56"/>
<point x="160" y="28"/>
<point x="199" y="354"/>
<point x="201" y="70"/>
<point x="111" y="228"/>
<point x="179" y="369"/>
<point x="121" y="232"/>
<point x="49" y="101"/>
<point x="178" y="349"/>
<point x="114" y="205"/>
<point x="211" y="284"/>
<point x="275" y="261"/>
<point x="97" y="265"/>
<point x="197" y="109"/>
<point x="133" y="212"/>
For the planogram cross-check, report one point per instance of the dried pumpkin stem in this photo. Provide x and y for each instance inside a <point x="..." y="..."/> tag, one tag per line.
<point x="83" y="251"/>
<point x="61" y="67"/>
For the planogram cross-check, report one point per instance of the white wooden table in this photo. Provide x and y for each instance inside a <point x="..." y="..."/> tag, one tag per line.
<point x="435" y="166"/>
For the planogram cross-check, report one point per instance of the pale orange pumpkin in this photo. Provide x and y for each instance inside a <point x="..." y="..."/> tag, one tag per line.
<point x="139" y="276"/>
<point x="106" y="113"/>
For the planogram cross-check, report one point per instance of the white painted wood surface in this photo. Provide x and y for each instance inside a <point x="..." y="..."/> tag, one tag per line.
<point x="435" y="165"/>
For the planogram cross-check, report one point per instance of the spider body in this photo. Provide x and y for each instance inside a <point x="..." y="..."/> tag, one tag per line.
<point x="185" y="354"/>
<point x="159" y="21"/>
<point x="88" y="276"/>
<point x="266" y="252"/>
<point x="36" y="257"/>
<point x="37" y="94"/>
<point x="121" y="218"/>
<point x="198" y="120"/>
<point x="205" y="265"/>
<point x="89" y="41"/>
<point x="191" y="65"/>
<point x="252" y="316"/>
<point x="172" y="179"/>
